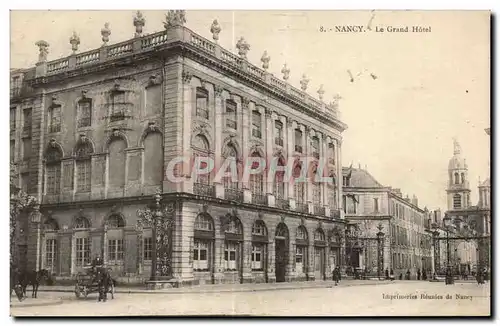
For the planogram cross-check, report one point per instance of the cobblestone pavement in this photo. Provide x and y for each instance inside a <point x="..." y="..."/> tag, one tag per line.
<point x="369" y="300"/>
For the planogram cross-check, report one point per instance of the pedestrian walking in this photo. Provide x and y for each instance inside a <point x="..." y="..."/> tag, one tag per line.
<point x="424" y="275"/>
<point x="418" y="274"/>
<point x="408" y="275"/>
<point x="336" y="275"/>
<point x="391" y="275"/>
<point x="386" y="274"/>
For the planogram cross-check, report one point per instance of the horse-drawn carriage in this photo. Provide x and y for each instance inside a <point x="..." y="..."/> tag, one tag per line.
<point x="88" y="282"/>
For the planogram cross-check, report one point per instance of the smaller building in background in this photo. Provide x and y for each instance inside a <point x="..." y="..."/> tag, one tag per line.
<point x="373" y="209"/>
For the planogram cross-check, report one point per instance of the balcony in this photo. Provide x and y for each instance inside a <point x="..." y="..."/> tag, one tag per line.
<point x="316" y="155"/>
<point x="335" y="213"/>
<point x="256" y="133"/>
<point x="204" y="189"/>
<point x="231" y="124"/>
<point x="278" y="141"/>
<point x="117" y="116"/>
<point x="319" y="210"/>
<point x="259" y="199"/>
<point x="301" y="207"/>
<point x="233" y="194"/>
<point x="282" y="203"/>
<point x="55" y="128"/>
<point x="298" y="148"/>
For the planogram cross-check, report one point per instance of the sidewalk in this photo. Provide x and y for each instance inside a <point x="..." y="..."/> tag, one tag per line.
<point x="217" y="288"/>
<point x="29" y="302"/>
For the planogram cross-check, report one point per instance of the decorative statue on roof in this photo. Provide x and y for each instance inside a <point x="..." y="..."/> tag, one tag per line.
<point x="321" y="92"/>
<point x="243" y="47"/>
<point x="265" y="60"/>
<point x="286" y="72"/>
<point x="215" y="30"/>
<point x="304" y="82"/>
<point x="43" y="46"/>
<point x="105" y="32"/>
<point x="175" y="18"/>
<point x="139" y="22"/>
<point x="74" y="41"/>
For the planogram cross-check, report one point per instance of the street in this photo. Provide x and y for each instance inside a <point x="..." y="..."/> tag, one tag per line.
<point x="408" y="298"/>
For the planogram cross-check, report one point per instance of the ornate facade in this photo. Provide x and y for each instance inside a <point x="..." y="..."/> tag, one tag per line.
<point x="95" y="136"/>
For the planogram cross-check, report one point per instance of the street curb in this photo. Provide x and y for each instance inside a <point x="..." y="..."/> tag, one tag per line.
<point x="215" y="290"/>
<point x="36" y="304"/>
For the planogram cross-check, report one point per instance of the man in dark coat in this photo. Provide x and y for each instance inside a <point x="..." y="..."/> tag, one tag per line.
<point x="386" y="274"/>
<point x="418" y="274"/>
<point x="336" y="275"/>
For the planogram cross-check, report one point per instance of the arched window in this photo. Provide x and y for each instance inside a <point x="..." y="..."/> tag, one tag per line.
<point x="298" y="185"/>
<point x="83" y="153"/>
<point x="202" y="103"/>
<point x="82" y="241"/>
<point x="332" y="191"/>
<point x="457" y="201"/>
<point x="55" y="118"/>
<point x="301" y="243"/>
<point x="316" y="188"/>
<point x="256" y="180"/>
<point x="203" y="243"/>
<point x="259" y="245"/>
<point x="457" y="178"/>
<point x="233" y="239"/>
<point x="53" y="170"/>
<point x="331" y="153"/>
<point x="279" y="181"/>
<point x="115" y="247"/>
<point x="462" y="179"/>
<point x="315" y="147"/>
<point x="201" y="149"/>
<point x="278" y="136"/>
<point x="319" y="235"/>
<point x="50" y="228"/>
<point x="231" y="153"/>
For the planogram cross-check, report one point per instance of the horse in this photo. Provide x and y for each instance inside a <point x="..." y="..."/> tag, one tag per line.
<point x="15" y="283"/>
<point x="33" y="278"/>
<point x="104" y="283"/>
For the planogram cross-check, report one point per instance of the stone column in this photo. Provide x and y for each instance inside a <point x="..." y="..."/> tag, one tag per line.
<point x="310" y="256"/>
<point x="338" y="165"/>
<point x="289" y="143"/>
<point x="380" y="253"/>
<point x="219" y="121"/>
<point x="218" y="257"/>
<point x="140" y="249"/>
<point x="269" y="118"/>
<point x="308" y="185"/>
<point x="247" y="260"/>
<point x="290" y="269"/>
<point x="244" y="125"/>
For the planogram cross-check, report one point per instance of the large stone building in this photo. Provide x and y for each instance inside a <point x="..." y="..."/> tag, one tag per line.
<point x="95" y="134"/>
<point x="391" y="227"/>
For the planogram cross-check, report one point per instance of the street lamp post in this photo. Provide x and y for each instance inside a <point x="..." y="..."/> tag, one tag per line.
<point x="449" y="273"/>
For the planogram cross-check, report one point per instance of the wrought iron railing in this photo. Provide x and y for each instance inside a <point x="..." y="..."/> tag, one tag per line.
<point x="117" y="116"/>
<point x="282" y="203"/>
<point x="233" y="194"/>
<point x="259" y="199"/>
<point x="301" y="207"/>
<point x="231" y="124"/>
<point x="298" y="148"/>
<point x="335" y="213"/>
<point x="204" y="189"/>
<point x="84" y="122"/>
<point x="319" y="210"/>
<point x="256" y="133"/>
<point x="278" y="141"/>
<point x="55" y="128"/>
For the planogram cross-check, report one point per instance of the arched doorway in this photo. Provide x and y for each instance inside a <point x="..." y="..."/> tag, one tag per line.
<point x="319" y="255"/>
<point x="281" y="241"/>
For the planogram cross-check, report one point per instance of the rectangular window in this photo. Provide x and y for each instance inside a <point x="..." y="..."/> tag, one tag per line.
<point x="278" y="140"/>
<point x="27" y="115"/>
<point x="299" y="259"/>
<point x="257" y="256"/>
<point x="147" y="248"/>
<point x="117" y="106"/>
<point x="115" y="250"/>
<point x="200" y="255"/>
<point x="26" y="148"/>
<point x="256" y="124"/>
<point x="256" y="184"/>
<point x="351" y="205"/>
<point x="82" y="251"/>
<point x="230" y="256"/>
<point x="298" y="140"/>
<point x="50" y="253"/>
<point x="375" y="204"/>
<point x="299" y="192"/>
<point x="12" y="150"/>
<point x="25" y="182"/>
<point x="279" y="187"/>
<point x="53" y="179"/>
<point x="84" y="113"/>
<point x="83" y="180"/>
<point x="316" y="193"/>
<point x="231" y="115"/>
<point x="12" y="119"/>
<point x="55" y="119"/>
<point x="201" y="103"/>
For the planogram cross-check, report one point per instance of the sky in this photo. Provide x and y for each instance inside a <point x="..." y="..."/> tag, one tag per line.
<point x="429" y="87"/>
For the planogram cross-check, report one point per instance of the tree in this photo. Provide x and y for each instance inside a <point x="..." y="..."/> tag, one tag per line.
<point x="19" y="202"/>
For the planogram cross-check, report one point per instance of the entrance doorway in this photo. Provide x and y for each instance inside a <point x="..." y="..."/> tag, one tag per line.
<point x="281" y="240"/>
<point x="319" y="263"/>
